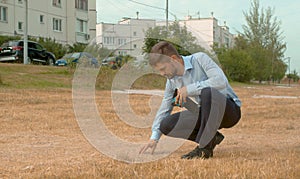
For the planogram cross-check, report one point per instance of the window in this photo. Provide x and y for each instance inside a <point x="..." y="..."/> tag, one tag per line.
<point x="134" y="33"/>
<point x="56" y="24"/>
<point x="134" y="45"/>
<point x="109" y="40"/>
<point x="20" y="26"/>
<point x="3" y="13"/>
<point x="20" y="1"/>
<point x="56" y="3"/>
<point x="38" y="47"/>
<point x="121" y="41"/>
<point x="81" y="4"/>
<point x="42" y="19"/>
<point x="227" y="42"/>
<point x="81" y="26"/>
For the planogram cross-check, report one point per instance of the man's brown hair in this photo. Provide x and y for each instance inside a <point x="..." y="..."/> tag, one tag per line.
<point x="161" y="49"/>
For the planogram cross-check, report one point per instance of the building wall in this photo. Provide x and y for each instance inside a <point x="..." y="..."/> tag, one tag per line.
<point x="92" y="18"/>
<point x="132" y="31"/>
<point x="201" y="29"/>
<point x="126" y="37"/>
<point x="207" y="31"/>
<point x="65" y="14"/>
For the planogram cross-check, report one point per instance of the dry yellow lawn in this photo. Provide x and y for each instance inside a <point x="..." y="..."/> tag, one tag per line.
<point x="40" y="138"/>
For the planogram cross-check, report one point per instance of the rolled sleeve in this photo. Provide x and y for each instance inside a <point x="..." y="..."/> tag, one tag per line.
<point x="156" y="134"/>
<point x="164" y="110"/>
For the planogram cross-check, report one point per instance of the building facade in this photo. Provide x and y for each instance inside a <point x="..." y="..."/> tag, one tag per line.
<point x="207" y="31"/>
<point x="66" y="21"/>
<point x="126" y="37"/>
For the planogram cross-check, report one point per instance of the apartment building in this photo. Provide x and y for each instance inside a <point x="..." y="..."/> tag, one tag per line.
<point x="126" y="37"/>
<point x="207" y="31"/>
<point x="66" y="21"/>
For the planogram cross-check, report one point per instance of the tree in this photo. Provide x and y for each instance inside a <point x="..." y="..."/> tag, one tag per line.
<point x="8" y="38"/>
<point x="294" y="76"/>
<point x="180" y="37"/>
<point x="77" y="47"/>
<point x="51" y="45"/>
<point x="265" y="41"/>
<point x="236" y="62"/>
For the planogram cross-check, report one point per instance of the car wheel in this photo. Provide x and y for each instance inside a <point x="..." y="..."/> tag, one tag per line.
<point x="50" y="61"/>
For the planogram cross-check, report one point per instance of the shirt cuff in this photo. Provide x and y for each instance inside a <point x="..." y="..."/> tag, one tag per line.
<point x="191" y="89"/>
<point x="155" y="135"/>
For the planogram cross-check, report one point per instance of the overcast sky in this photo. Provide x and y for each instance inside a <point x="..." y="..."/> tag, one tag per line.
<point x="231" y="11"/>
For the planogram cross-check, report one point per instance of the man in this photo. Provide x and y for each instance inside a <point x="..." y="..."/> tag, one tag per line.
<point x="196" y="76"/>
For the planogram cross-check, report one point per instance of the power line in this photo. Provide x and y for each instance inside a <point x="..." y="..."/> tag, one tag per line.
<point x="154" y="7"/>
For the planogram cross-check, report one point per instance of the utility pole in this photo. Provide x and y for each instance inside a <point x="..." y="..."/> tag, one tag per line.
<point x="289" y="63"/>
<point x="289" y="71"/>
<point x="25" y="45"/>
<point x="167" y="15"/>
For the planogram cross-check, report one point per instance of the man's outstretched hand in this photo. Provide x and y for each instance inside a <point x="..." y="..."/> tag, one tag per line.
<point x="151" y="144"/>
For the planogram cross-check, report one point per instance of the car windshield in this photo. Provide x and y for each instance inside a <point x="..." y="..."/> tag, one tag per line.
<point x="75" y="55"/>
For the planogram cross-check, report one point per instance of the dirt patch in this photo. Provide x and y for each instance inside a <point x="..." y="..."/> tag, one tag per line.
<point x="41" y="138"/>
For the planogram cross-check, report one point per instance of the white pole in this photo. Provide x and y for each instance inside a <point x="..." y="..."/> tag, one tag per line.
<point x="25" y="53"/>
<point x="167" y="15"/>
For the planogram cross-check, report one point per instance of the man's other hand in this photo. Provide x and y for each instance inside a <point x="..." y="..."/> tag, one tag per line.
<point x="151" y="144"/>
<point x="181" y="96"/>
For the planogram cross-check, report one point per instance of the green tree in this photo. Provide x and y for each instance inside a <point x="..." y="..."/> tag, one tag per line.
<point x="265" y="41"/>
<point x="180" y="37"/>
<point x="236" y="64"/>
<point x="8" y="38"/>
<point x="77" y="47"/>
<point x="52" y="46"/>
<point x="294" y="76"/>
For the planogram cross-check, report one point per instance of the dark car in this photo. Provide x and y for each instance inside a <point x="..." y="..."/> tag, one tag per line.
<point x="112" y="62"/>
<point x="78" y="57"/>
<point x="13" y="51"/>
<point x="109" y="61"/>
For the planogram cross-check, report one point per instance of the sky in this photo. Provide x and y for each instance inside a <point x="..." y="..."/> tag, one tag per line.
<point x="231" y="11"/>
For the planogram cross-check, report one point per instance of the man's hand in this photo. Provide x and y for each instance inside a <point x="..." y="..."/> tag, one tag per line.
<point x="181" y="96"/>
<point x="151" y="144"/>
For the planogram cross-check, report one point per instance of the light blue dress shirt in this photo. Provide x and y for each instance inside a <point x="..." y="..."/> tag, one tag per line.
<point x="200" y="72"/>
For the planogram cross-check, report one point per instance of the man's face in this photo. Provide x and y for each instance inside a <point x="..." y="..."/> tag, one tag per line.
<point x="166" y="69"/>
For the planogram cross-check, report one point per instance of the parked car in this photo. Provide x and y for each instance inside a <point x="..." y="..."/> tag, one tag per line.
<point x="78" y="57"/>
<point x="108" y="61"/>
<point x="112" y="62"/>
<point x="61" y="62"/>
<point x="13" y="51"/>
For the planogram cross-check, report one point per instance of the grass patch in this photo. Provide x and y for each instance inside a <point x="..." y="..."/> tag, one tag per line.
<point x="150" y="81"/>
<point x="38" y="76"/>
<point x="1" y="82"/>
<point x="34" y="76"/>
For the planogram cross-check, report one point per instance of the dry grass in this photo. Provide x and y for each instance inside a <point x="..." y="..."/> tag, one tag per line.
<point x="41" y="139"/>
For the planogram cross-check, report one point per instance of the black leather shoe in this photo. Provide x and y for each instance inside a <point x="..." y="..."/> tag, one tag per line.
<point x="217" y="140"/>
<point x="198" y="153"/>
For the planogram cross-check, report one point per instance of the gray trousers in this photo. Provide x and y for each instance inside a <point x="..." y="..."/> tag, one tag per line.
<point x="216" y="112"/>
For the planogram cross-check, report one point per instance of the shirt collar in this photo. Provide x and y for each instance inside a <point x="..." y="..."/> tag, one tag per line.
<point x="187" y="62"/>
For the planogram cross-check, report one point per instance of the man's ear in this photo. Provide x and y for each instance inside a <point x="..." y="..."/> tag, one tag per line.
<point x="175" y="58"/>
